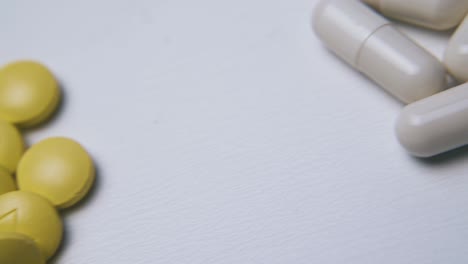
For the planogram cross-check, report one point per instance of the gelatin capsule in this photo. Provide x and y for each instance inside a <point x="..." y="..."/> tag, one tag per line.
<point x="369" y="43"/>
<point x="436" y="124"/>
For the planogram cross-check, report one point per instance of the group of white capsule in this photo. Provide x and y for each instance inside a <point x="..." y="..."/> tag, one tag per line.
<point x="435" y="119"/>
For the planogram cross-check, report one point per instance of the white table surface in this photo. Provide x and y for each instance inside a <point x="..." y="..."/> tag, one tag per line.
<point x="225" y="133"/>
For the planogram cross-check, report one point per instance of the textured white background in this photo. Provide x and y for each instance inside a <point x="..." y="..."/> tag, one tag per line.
<point x="225" y="133"/>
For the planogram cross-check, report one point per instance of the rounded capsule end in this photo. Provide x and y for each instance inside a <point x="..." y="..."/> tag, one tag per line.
<point x="317" y="14"/>
<point x="430" y="78"/>
<point x="456" y="61"/>
<point x="400" y="66"/>
<point x="447" y="15"/>
<point x="456" y="54"/>
<point x="410" y="134"/>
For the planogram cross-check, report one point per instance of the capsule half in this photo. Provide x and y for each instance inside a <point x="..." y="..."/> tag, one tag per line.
<point x="456" y="54"/>
<point x="369" y="43"/>
<point x="436" y="124"/>
<point x="434" y="14"/>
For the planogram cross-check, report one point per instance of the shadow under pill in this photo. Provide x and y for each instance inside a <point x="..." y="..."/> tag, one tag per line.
<point x="65" y="213"/>
<point x="62" y="247"/>
<point x="90" y="196"/>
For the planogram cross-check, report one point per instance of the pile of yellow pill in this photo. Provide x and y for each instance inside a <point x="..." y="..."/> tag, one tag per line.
<point x="35" y="183"/>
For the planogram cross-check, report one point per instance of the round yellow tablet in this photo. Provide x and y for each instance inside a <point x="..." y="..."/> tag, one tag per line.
<point x="11" y="146"/>
<point x="29" y="93"/>
<point x="59" y="169"/>
<point x="31" y="215"/>
<point x="7" y="184"/>
<point x="16" y="248"/>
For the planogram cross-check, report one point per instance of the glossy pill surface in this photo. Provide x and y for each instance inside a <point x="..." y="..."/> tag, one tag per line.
<point x="432" y="14"/>
<point x="11" y="146"/>
<point x="29" y="93"/>
<point x="31" y="215"/>
<point x="456" y="54"/>
<point x="16" y="248"/>
<point x="370" y="44"/>
<point x="58" y="169"/>
<point x="436" y="124"/>
<point x="7" y="184"/>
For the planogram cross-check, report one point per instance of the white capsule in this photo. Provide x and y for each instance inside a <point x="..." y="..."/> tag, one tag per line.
<point x="433" y="14"/>
<point x="373" y="46"/>
<point x="435" y="124"/>
<point x="456" y="54"/>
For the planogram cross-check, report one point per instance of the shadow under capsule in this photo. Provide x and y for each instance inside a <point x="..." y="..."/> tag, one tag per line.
<point x="454" y="156"/>
<point x="440" y="34"/>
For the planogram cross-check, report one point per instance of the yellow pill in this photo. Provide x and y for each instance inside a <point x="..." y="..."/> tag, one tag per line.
<point x="29" y="93"/>
<point x="31" y="215"/>
<point x="11" y="146"/>
<point x="7" y="184"/>
<point x="16" y="248"/>
<point x="59" y="169"/>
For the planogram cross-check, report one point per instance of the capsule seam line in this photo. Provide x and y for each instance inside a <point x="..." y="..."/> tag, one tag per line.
<point x="358" y="55"/>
